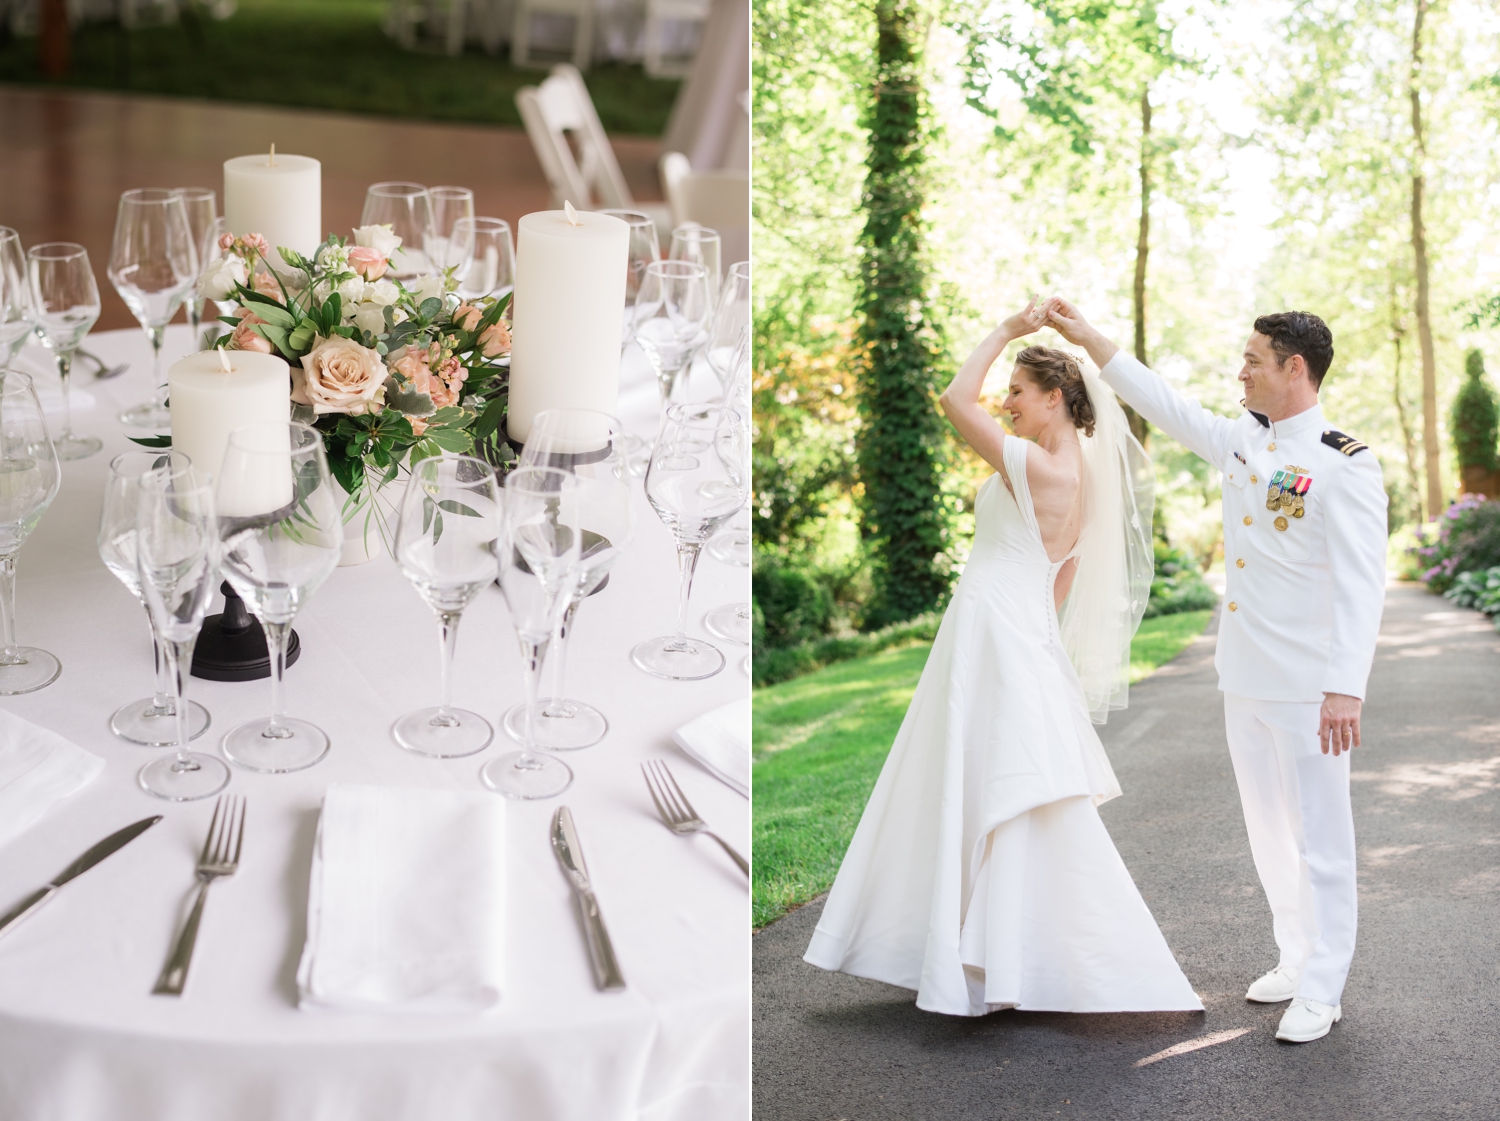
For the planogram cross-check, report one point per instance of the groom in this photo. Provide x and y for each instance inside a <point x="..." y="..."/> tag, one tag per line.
<point x="1304" y="552"/>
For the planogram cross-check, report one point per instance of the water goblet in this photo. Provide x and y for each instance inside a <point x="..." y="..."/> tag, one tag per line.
<point x="29" y="477"/>
<point x="700" y="245"/>
<point x="153" y="720"/>
<point x="407" y="209"/>
<point x="16" y="316"/>
<point x="492" y="264"/>
<point x="671" y="317"/>
<point x="176" y="548"/>
<point x="644" y="249"/>
<point x="589" y="446"/>
<point x="280" y="520"/>
<point x="202" y="207"/>
<point x="445" y="538"/>
<point x="697" y="479"/>
<point x="65" y="301"/>
<point x="538" y="551"/>
<point x="153" y="265"/>
<point x="449" y="245"/>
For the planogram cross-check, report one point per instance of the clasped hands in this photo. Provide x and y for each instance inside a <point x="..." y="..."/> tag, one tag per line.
<point x="1066" y="320"/>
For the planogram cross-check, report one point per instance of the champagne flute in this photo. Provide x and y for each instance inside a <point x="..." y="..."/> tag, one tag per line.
<point x="590" y="447"/>
<point x="492" y="264"/>
<point x="407" y="209"/>
<point x="731" y="317"/>
<point x="65" y="301"/>
<point x="15" y="297"/>
<point x="202" y="207"/>
<point x="153" y="264"/>
<point x="280" y="521"/>
<point x="695" y="482"/>
<point x="538" y="550"/>
<point x="644" y="249"/>
<point x="29" y="476"/>
<point x="152" y="721"/>
<point x="449" y="246"/>
<point x="671" y="319"/>
<point x="176" y="547"/>
<point x="445" y="537"/>
<point x="700" y="245"/>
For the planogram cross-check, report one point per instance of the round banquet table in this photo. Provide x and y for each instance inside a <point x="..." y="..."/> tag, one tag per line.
<point x="83" y="1039"/>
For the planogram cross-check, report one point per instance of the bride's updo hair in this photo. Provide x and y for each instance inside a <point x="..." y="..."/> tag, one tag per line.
<point x="1057" y="369"/>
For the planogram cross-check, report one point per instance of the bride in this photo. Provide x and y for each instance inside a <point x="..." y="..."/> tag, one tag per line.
<point x="981" y="874"/>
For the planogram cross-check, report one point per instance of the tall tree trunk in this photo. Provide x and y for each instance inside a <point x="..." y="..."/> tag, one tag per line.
<point x="1142" y="250"/>
<point x="902" y="443"/>
<point x="1431" y="451"/>
<point x="1408" y="437"/>
<point x="53" y="41"/>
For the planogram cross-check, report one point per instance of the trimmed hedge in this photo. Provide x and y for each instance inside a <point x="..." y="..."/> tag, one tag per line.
<point x="770" y="664"/>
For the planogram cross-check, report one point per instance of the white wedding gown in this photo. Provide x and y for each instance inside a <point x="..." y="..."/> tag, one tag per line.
<point x="981" y="874"/>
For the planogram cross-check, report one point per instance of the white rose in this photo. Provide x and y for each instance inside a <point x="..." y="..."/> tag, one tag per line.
<point x="382" y="292"/>
<point x="219" y="279"/>
<point x="426" y="287"/>
<point x="351" y="290"/>
<point x="370" y="317"/>
<point x="378" y="238"/>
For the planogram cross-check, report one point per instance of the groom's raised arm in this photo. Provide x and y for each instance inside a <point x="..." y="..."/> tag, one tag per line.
<point x="1203" y="432"/>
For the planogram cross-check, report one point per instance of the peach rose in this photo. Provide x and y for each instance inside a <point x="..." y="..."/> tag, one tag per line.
<point x="266" y="285"/>
<point x="495" y="340"/>
<point x="368" y="263"/>
<point x="467" y="316"/>
<point x="246" y="339"/>
<point x="340" y="376"/>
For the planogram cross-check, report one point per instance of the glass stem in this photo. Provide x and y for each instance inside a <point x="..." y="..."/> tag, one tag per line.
<point x="195" y="319"/>
<point x="161" y="702"/>
<point x="178" y="655"/>
<point x="558" y="707"/>
<point x="157" y="335"/>
<point x="448" y="638"/>
<point x="277" y="636"/>
<point x="533" y="655"/>
<point x="8" y="655"/>
<point x="687" y="563"/>
<point x="64" y="369"/>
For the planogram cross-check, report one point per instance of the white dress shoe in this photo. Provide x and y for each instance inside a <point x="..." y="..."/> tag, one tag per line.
<point x="1307" y="1020"/>
<point x="1278" y="985"/>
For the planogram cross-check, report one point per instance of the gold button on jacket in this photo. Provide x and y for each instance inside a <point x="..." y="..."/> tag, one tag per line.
<point x="1240" y="563"/>
<point x="1248" y="519"/>
<point x="1233" y="606"/>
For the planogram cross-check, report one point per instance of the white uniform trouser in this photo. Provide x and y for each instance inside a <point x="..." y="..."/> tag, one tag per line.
<point x="1296" y="802"/>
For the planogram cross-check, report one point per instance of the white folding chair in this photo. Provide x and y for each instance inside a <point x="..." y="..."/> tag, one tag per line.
<point x="719" y="200"/>
<point x="660" y="16"/>
<point x="582" y="12"/>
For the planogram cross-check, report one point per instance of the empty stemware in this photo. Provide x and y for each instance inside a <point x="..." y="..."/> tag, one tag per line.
<point x="29" y="477"/>
<point x="445" y="538"/>
<point x="697" y="479"/>
<point x="153" y="265"/>
<point x="492" y="264"/>
<point x="283" y="533"/>
<point x="177" y="545"/>
<point x="65" y="301"/>
<point x="407" y="209"/>
<point x="732" y="545"/>
<point x="587" y="445"/>
<point x="671" y="319"/>
<point x="450" y="245"/>
<point x="202" y="207"/>
<point x="15" y="297"/>
<point x="700" y="245"/>
<point x="644" y="249"/>
<point x="151" y="721"/>
<point x="731" y="317"/>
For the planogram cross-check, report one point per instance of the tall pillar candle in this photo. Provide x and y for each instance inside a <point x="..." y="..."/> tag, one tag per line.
<point x="277" y="196"/>
<point x="209" y="402"/>
<point x="569" y="289"/>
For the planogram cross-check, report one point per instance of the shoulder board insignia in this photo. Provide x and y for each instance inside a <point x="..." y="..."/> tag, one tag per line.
<point x="1341" y="443"/>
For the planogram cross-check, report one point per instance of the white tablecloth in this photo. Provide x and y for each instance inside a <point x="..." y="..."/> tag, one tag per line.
<point x="82" y="1039"/>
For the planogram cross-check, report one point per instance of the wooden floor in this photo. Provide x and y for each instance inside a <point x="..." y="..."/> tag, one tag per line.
<point x="65" y="159"/>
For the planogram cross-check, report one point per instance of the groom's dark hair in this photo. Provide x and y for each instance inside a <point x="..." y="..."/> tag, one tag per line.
<point x="1299" y="332"/>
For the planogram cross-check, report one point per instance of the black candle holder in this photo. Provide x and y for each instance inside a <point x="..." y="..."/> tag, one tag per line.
<point x="232" y="647"/>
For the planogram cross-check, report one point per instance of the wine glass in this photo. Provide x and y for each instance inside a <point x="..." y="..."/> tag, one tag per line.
<point x="538" y="550"/>
<point x="208" y="253"/>
<point x="202" y="207"/>
<point x="445" y="537"/>
<point x="176" y="548"/>
<point x="280" y="520"/>
<point x="732" y="546"/>
<point x="696" y="480"/>
<point x="29" y="476"/>
<point x="644" y="249"/>
<point x="731" y="317"/>
<point x="407" y="209"/>
<point x="589" y="446"/>
<point x="492" y="264"/>
<point x="700" y="245"/>
<point x="671" y="320"/>
<point x="447" y="245"/>
<point x="153" y="264"/>
<point x="15" y="297"/>
<point x="152" y="721"/>
<point x="65" y="301"/>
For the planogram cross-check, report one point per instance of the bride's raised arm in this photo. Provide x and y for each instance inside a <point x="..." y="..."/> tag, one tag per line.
<point x="960" y="401"/>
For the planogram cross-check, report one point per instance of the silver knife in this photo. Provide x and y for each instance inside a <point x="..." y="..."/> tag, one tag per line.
<point x="114" y="842"/>
<point x="569" y="852"/>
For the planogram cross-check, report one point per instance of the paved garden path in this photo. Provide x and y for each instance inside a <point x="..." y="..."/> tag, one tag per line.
<point x="1421" y="1032"/>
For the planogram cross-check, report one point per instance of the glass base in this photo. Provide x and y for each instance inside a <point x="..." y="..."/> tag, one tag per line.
<point x="732" y="547"/>
<point x="78" y="447"/>
<point x="637" y="455"/>
<point x="169" y="778"/>
<point x="730" y="622"/>
<point x="461" y="733"/>
<point x="143" y="723"/>
<point x="148" y="414"/>
<point x="690" y="660"/>
<point x="251" y="748"/>
<point x="526" y="775"/>
<point x="39" y="670"/>
<point x="559" y="725"/>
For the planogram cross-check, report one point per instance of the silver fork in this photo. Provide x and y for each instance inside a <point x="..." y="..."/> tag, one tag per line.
<point x="103" y="372"/>
<point x="225" y="831"/>
<point x="676" y="811"/>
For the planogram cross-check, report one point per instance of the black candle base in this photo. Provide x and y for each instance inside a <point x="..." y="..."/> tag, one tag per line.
<point x="232" y="646"/>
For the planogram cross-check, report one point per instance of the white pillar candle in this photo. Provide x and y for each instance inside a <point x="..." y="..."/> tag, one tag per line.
<point x="569" y="289"/>
<point x="277" y="196"/>
<point x="208" y="403"/>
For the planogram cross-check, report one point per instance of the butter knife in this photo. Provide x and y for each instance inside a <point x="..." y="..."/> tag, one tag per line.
<point x="569" y="852"/>
<point x="113" y="843"/>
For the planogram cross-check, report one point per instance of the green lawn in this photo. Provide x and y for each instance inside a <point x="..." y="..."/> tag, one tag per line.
<point x="328" y="54"/>
<point x="820" y="741"/>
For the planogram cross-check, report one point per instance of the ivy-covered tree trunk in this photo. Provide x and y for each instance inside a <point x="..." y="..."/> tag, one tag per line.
<point x="902" y="438"/>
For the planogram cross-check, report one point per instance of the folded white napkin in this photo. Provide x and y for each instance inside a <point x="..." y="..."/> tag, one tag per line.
<point x="720" y="741"/>
<point x="38" y="768"/>
<point x="406" y="906"/>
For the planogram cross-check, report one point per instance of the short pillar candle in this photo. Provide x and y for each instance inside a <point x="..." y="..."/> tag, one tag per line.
<point x="209" y="402"/>
<point x="277" y="196"/>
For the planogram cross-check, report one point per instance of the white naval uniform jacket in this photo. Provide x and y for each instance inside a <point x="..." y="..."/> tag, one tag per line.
<point x="1302" y="603"/>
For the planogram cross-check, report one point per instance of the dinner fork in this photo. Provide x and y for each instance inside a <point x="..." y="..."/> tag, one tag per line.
<point x="225" y="830"/>
<point x="103" y="372"/>
<point x="676" y="811"/>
